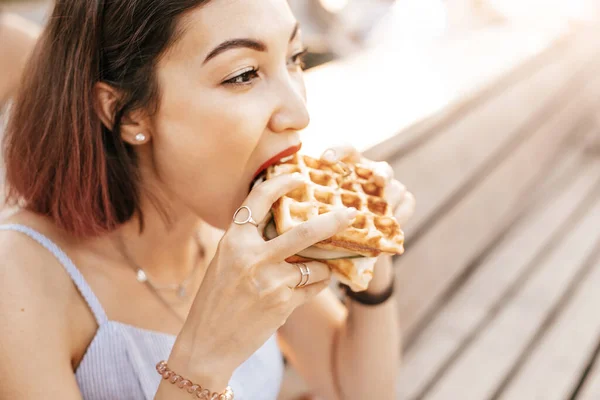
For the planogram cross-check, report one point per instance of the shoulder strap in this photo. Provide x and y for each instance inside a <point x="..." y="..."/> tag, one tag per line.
<point x="65" y="261"/>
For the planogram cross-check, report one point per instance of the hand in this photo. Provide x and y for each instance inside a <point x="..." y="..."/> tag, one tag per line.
<point x="249" y="291"/>
<point x="400" y="199"/>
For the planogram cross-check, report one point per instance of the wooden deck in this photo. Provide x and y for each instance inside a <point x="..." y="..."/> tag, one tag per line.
<point x="500" y="285"/>
<point x="499" y="288"/>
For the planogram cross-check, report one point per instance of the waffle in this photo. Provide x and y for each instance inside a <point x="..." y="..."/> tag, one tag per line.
<point x="330" y="187"/>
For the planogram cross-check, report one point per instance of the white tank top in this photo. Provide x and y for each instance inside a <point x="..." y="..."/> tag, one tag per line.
<point x="120" y="363"/>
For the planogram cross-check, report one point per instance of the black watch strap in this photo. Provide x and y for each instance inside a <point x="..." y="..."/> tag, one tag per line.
<point x="368" y="299"/>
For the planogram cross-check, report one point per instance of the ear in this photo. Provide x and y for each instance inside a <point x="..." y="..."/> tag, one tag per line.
<point x="135" y="127"/>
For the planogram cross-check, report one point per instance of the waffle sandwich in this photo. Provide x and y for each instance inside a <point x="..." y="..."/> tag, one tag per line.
<point x="352" y="253"/>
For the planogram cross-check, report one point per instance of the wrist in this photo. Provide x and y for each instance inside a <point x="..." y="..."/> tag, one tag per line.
<point x="383" y="276"/>
<point x="210" y="371"/>
<point x="367" y="299"/>
<point x="381" y="287"/>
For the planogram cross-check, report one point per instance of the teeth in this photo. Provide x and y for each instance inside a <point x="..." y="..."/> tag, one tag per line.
<point x="258" y="180"/>
<point x="286" y="159"/>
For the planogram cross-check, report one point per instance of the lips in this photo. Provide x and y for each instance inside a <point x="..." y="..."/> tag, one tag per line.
<point x="273" y="160"/>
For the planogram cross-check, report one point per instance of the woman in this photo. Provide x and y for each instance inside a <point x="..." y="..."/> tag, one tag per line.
<point x="141" y="122"/>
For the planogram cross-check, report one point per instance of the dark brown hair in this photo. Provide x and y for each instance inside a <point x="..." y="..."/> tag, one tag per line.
<point x="61" y="161"/>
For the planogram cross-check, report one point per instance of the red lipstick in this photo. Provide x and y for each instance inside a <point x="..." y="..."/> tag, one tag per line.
<point x="286" y="153"/>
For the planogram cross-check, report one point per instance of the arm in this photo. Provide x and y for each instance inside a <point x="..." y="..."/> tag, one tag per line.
<point x="368" y="349"/>
<point x="354" y="352"/>
<point x="34" y="338"/>
<point x="17" y="39"/>
<point x="38" y="340"/>
<point x="39" y="344"/>
<point x="245" y="297"/>
<point x="347" y="353"/>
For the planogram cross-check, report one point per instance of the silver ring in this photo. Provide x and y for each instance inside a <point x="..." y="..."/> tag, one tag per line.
<point x="346" y="168"/>
<point x="248" y="220"/>
<point x="305" y="275"/>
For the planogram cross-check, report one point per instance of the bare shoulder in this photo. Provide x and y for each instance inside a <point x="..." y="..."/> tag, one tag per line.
<point x="33" y="313"/>
<point x="27" y="257"/>
<point x="18" y="247"/>
<point x="32" y="282"/>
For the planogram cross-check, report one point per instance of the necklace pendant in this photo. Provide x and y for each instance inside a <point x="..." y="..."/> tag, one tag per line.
<point x="181" y="292"/>
<point x="141" y="276"/>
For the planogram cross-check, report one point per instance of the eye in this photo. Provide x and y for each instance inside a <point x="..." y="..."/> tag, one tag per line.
<point x="298" y="58"/>
<point x="244" y="78"/>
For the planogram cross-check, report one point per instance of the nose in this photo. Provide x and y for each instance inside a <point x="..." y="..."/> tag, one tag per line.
<point x="290" y="113"/>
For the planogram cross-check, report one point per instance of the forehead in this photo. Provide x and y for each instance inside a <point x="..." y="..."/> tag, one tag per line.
<point x="221" y="20"/>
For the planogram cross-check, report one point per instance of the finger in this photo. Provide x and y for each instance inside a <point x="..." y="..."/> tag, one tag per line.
<point x="394" y="193"/>
<point x="341" y="153"/>
<point x="274" y="275"/>
<point x="310" y="232"/>
<point x="307" y="293"/>
<point x="261" y="198"/>
<point x="383" y="173"/>
<point x="407" y="209"/>
<point x="317" y="272"/>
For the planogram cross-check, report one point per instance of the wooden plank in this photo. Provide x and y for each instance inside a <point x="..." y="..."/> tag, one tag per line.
<point x="590" y="387"/>
<point x="395" y="85"/>
<point x="423" y="130"/>
<point x="556" y="365"/>
<point x="431" y="265"/>
<point x="439" y="169"/>
<point x="463" y="315"/>
<point x="415" y="135"/>
<point x="484" y="365"/>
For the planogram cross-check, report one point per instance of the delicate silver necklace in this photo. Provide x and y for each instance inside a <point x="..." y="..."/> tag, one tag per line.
<point x="180" y="288"/>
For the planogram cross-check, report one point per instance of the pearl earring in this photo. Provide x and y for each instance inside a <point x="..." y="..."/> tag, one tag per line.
<point x="140" y="137"/>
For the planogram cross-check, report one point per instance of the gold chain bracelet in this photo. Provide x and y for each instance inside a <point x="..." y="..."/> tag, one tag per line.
<point x="192" y="388"/>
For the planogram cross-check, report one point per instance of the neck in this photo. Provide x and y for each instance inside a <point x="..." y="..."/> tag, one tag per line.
<point x="166" y="250"/>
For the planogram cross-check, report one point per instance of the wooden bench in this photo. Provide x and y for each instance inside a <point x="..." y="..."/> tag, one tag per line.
<point x="496" y="289"/>
<point x="502" y="254"/>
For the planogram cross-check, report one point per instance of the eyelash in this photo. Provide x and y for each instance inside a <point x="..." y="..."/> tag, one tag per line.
<point x="299" y="58"/>
<point x="248" y="76"/>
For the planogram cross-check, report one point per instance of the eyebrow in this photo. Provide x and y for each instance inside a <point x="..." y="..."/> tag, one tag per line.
<point x="244" y="43"/>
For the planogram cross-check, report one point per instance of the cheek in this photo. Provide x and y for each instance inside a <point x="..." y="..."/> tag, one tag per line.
<point x="202" y="146"/>
<point x="202" y="134"/>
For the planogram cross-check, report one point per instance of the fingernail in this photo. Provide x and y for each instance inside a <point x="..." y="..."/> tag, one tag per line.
<point x="329" y="155"/>
<point x="352" y="212"/>
<point x="380" y="180"/>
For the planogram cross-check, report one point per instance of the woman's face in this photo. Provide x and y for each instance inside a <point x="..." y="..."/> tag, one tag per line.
<point x="232" y="99"/>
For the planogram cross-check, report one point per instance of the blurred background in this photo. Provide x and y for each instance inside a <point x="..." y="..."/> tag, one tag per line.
<point x="489" y="112"/>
